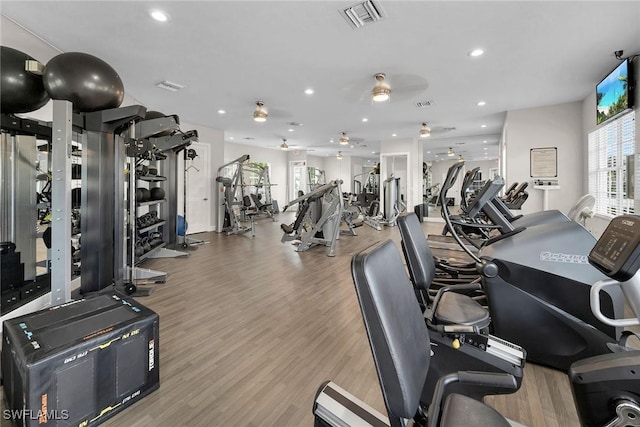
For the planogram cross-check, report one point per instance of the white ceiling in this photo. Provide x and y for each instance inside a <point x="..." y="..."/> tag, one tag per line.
<point x="230" y="54"/>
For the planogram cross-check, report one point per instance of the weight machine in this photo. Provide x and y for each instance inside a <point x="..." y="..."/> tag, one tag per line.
<point x="231" y="199"/>
<point x="318" y="219"/>
<point x="257" y="179"/>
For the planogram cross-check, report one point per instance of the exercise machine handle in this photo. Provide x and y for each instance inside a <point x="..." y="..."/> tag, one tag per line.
<point x="595" y="304"/>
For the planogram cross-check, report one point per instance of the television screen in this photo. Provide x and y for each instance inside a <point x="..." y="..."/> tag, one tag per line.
<point x="613" y="93"/>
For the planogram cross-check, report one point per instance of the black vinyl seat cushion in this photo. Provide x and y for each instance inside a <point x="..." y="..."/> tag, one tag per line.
<point x="454" y="308"/>
<point x="463" y="411"/>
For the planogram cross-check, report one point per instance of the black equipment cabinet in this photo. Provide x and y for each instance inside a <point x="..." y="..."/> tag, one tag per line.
<point x="79" y="363"/>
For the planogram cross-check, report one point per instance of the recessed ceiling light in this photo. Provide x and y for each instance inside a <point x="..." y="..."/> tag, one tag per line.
<point x="364" y="119"/>
<point x="476" y="52"/>
<point x="290" y="130"/>
<point x="351" y="146"/>
<point x="484" y="142"/>
<point x="428" y="152"/>
<point x="159" y="15"/>
<point x="481" y="103"/>
<point x="485" y="148"/>
<point x="222" y="112"/>
<point x="393" y="134"/>
<point x="373" y="152"/>
<point x="436" y="155"/>
<point x="483" y="126"/>
<point x="231" y="137"/>
<point x="308" y="91"/>
<point x="331" y="140"/>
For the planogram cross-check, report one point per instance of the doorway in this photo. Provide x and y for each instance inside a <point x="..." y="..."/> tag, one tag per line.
<point x="197" y="172"/>
<point x="298" y="180"/>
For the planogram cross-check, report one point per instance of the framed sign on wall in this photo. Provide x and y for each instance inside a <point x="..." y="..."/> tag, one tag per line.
<point x="544" y="162"/>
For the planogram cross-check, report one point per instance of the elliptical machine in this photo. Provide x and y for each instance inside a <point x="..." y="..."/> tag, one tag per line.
<point x="541" y="274"/>
<point x="606" y="388"/>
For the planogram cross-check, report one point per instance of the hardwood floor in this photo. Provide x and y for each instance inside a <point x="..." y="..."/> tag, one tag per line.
<point x="249" y="329"/>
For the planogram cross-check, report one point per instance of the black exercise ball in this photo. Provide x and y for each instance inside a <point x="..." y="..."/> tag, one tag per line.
<point x="21" y="90"/>
<point x="142" y="195"/>
<point x="157" y="193"/>
<point x="88" y="82"/>
<point x="146" y="194"/>
<point x="157" y="115"/>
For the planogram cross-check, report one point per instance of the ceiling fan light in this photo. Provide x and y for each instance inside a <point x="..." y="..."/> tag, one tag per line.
<point x="344" y="139"/>
<point x="339" y="156"/>
<point x="381" y="92"/>
<point x="260" y="115"/>
<point x="450" y="152"/>
<point x="425" y="131"/>
<point x="284" y="145"/>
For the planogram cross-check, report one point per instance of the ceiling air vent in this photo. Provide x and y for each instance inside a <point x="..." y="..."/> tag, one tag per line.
<point x="424" y="104"/>
<point x="363" y="13"/>
<point x="167" y="85"/>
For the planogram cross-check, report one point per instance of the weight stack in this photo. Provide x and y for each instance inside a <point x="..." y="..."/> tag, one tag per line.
<point x="79" y="363"/>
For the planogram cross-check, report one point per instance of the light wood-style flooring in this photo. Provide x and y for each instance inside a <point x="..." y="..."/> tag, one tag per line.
<point x="249" y="329"/>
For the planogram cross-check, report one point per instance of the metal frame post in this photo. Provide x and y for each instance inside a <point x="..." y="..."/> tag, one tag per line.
<point x="61" y="202"/>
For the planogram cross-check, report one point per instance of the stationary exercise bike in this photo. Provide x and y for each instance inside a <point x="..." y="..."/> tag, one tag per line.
<point x="406" y="357"/>
<point x="606" y="388"/>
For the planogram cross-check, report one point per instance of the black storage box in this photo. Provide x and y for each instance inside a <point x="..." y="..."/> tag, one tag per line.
<point x="78" y="364"/>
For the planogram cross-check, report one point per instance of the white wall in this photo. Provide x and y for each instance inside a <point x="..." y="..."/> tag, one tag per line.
<point x="339" y="169"/>
<point x="552" y="126"/>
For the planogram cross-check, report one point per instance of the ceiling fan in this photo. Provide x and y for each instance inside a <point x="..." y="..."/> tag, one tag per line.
<point x="401" y="86"/>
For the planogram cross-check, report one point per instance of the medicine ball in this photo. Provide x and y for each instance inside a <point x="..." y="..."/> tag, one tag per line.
<point x="139" y="195"/>
<point x="21" y="90"/>
<point x="157" y="115"/>
<point x="88" y="82"/>
<point x="157" y="193"/>
<point x="142" y="195"/>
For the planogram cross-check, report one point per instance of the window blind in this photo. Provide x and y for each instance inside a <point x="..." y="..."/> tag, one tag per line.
<point x="613" y="166"/>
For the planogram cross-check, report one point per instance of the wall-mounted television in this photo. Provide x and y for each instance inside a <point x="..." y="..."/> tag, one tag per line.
<point x="614" y="94"/>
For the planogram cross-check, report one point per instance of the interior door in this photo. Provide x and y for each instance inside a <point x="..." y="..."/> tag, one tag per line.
<point x="198" y="178"/>
<point x="298" y="178"/>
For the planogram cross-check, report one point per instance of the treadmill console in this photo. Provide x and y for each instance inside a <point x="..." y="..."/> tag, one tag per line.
<point x="617" y="252"/>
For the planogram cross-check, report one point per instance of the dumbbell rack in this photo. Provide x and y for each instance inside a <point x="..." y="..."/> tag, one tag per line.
<point x="140" y="275"/>
<point x="155" y="226"/>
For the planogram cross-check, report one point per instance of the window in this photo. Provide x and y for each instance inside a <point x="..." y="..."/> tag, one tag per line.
<point x="613" y="166"/>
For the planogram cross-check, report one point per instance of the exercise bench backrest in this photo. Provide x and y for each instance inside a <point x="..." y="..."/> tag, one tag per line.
<point x="416" y="250"/>
<point x="397" y="333"/>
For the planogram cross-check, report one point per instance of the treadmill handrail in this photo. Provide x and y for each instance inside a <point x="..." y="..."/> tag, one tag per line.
<point x="594" y="301"/>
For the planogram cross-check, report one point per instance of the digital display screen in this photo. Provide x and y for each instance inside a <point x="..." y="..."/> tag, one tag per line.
<point x="617" y="252"/>
<point x="609" y="250"/>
